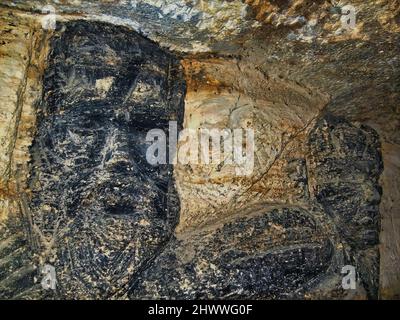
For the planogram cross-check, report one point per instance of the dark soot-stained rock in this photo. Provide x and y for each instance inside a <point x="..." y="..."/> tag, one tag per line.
<point x="345" y="161"/>
<point x="102" y="212"/>
<point x="263" y="253"/>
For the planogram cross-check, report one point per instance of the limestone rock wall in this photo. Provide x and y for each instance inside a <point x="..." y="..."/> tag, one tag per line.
<point x="323" y="101"/>
<point x="227" y="93"/>
<point x="23" y="53"/>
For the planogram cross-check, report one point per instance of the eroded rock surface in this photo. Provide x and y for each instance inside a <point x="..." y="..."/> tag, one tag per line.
<point x="345" y="164"/>
<point x="286" y="252"/>
<point x="322" y="100"/>
<point x="99" y="210"/>
<point x="259" y="253"/>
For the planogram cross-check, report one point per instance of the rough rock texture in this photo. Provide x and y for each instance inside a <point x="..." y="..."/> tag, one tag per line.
<point x="344" y="167"/>
<point x="100" y="211"/>
<point x="23" y="53"/>
<point x="324" y="103"/>
<point x="189" y="26"/>
<point x="285" y="252"/>
<point x="242" y="257"/>
<point x="240" y="96"/>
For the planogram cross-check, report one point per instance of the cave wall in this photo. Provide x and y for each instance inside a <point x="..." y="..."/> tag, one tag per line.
<point x="252" y="77"/>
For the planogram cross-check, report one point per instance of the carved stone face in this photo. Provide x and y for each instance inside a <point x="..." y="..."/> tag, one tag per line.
<point x="103" y="216"/>
<point x="100" y="209"/>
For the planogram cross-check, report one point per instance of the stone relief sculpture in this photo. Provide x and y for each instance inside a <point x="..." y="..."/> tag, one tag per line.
<point x="84" y="215"/>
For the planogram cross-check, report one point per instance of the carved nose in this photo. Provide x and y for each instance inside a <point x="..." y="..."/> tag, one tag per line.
<point x="116" y="155"/>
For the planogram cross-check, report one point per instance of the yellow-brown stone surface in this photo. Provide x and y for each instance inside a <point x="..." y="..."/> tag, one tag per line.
<point x="23" y="53"/>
